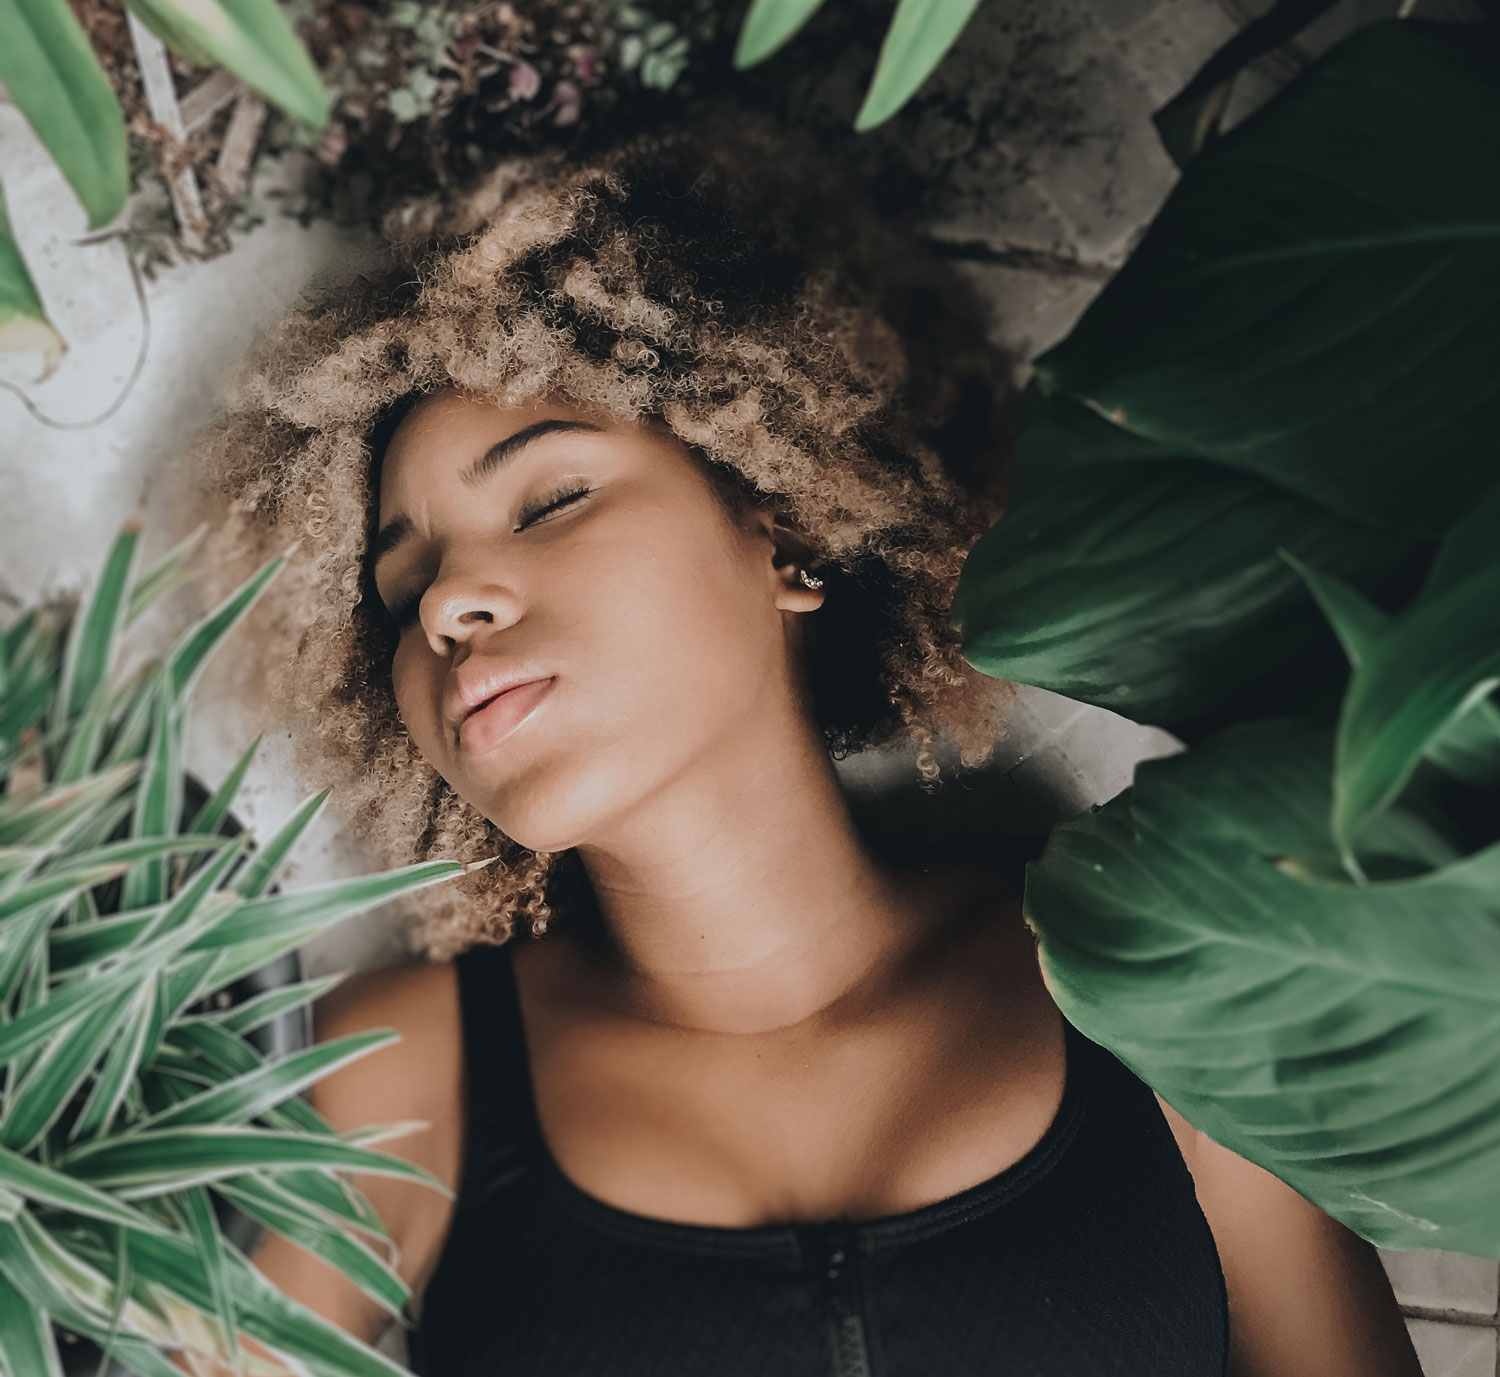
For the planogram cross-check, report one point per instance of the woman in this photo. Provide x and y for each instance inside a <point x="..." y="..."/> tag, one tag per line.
<point x="632" y="497"/>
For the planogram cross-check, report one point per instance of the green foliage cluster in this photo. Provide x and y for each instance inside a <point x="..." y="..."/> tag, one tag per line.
<point x="1257" y="503"/>
<point x="137" y="1109"/>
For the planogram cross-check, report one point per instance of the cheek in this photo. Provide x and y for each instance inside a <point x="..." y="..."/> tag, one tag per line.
<point x="414" y="693"/>
<point x="682" y="648"/>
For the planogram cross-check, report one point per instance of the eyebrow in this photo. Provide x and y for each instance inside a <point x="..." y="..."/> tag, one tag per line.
<point x="400" y="528"/>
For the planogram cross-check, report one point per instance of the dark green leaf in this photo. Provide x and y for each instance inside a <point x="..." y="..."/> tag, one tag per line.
<point x="1191" y="118"/>
<point x="1318" y="302"/>
<point x="1342" y="1036"/>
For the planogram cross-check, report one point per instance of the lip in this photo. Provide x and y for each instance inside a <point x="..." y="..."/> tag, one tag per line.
<point x="496" y="719"/>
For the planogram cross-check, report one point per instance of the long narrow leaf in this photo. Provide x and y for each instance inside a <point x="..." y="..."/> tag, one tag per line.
<point x="55" y="80"/>
<point x="270" y="1004"/>
<point x="159" y="800"/>
<point x="91" y="642"/>
<point x="320" y="906"/>
<point x="166" y="574"/>
<point x="767" y="26"/>
<point x="260" y="870"/>
<point x="44" y="817"/>
<point x="58" y="1074"/>
<point x="920" y="35"/>
<point x="153" y="1163"/>
<point x="203" y="1228"/>
<point x="48" y="1186"/>
<point x="193" y="647"/>
<point x="281" y="1212"/>
<point x="23" y="323"/>
<point x="251" y="38"/>
<point x="28" y="1347"/>
<point x="267" y="1314"/>
<point x="216" y="809"/>
<point x="121" y="1062"/>
<point x="29" y="1029"/>
<point x="249" y="1095"/>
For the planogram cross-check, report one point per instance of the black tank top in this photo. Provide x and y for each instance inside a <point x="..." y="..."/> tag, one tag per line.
<point x="1088" y="1257"/>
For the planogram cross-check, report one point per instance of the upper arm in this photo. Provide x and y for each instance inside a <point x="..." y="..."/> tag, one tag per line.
<point x="1307" y="1296"/>
<point x="417" y="1077"/>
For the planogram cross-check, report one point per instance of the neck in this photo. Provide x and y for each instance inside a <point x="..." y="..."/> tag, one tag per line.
<point x="744" y="900"/>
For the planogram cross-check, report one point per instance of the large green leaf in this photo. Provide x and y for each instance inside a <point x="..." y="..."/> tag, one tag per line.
<point x="1416" y="675"/>
<point x="1149" y="582"/>
<point x="252" y="38"/>
<point x="1345" y="1037"/>
<point x="56" y="82"/>
<point x="1318" y="302"/>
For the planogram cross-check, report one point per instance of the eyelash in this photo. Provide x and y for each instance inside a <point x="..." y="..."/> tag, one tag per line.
<point x="402" y="614"/>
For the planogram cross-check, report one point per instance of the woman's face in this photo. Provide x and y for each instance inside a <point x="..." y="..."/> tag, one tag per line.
<point x="593" y="555"/>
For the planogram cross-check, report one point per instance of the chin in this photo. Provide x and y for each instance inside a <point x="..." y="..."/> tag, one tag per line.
<point x="532" y="807"/>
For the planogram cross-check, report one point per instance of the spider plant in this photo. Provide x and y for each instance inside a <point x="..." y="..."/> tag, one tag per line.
<point x="140" y="1114"/>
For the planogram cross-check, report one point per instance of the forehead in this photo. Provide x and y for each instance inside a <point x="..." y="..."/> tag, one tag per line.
<point x="446" y="431"/>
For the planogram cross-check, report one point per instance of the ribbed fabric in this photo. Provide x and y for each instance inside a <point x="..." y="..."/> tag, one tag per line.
<point x="1089" y="1257"/>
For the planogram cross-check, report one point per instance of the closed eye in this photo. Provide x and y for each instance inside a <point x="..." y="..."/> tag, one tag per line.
<point x="561" y="498"/>
<point x="406" y="610"/>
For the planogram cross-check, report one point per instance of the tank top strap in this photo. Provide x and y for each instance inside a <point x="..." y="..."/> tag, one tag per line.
<point x="495" y="1079"/>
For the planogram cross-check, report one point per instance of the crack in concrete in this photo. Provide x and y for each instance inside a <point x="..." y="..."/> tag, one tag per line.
<point x="1047" y="262"/>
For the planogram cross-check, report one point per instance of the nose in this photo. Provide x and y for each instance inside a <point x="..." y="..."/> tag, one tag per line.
<point x="457" y="607"/>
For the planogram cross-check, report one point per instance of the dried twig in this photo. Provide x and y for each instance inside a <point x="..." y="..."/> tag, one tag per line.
<point x="161" y="98"/>
<point x="207" y="98"/>
<point x="240" y="139"/>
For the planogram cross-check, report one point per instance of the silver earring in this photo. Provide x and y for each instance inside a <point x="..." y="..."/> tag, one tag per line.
<point x="810" y="581"/>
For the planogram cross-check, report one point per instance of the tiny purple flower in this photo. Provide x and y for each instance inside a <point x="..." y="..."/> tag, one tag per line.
<point x="525" y="81"/>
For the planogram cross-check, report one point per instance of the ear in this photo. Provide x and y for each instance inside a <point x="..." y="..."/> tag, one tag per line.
<point x="791" y="552"/>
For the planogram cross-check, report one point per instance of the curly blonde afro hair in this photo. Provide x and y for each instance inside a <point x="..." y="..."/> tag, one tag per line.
<point x="726" y="280"/>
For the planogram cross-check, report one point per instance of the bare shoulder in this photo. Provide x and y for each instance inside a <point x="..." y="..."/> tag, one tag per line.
<point x="419" y="1078"/>
<point x="1307" y="1296"/>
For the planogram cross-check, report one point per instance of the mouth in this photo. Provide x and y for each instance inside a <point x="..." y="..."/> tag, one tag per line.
<point x="497" y="717"/>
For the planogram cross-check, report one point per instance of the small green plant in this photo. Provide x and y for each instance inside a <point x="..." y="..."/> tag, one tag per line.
<point x="55" y="79"/>
<point x="135" y="1101"/>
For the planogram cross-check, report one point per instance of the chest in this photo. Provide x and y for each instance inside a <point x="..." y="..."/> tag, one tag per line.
<point x="932" y="1096"/>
